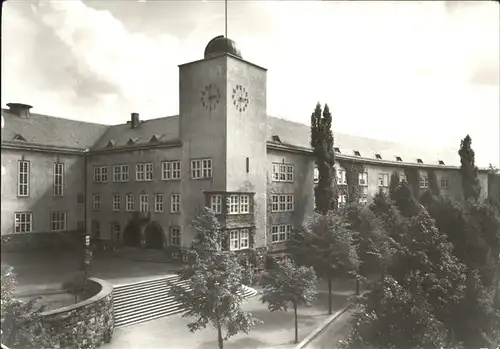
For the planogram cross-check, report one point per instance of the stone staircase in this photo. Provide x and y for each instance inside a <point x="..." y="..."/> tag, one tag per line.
<point x="144" y="255"/>
<point x="148" y="300"/>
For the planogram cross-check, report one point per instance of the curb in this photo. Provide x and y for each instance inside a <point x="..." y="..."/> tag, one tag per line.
<point x="322" y="327"/>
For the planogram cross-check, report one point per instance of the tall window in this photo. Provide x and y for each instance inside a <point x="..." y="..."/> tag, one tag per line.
<point x="100" y="174"/>
<point x="283" y="172"/>
<point x="424" y="181"/>
<point x="115" y="230"/>
<point x="341" y="200"/>
<point x="402" y="177"/>
<point x="175" y="236"/>
<point x="234" y="204"/>
<point x="216" y="203"/>
<point x="129" y="201"/>
<point x="170" y="170"/>
<point x="58" y="179"/>
<point x="96" y="201"/>
<point x="289" y="202"/>
<point x="444" y="182"/>
<point x="363" y="199"/>
<point x="158" y="202"/>
<point x="144" y="172"/>
<point x="23" y="178"/>
<point x="363" y="178"/>
<point x="125" y="175"/>
<point x="383" y="179"/>
<point x="341" y="177"/>
<point x="201" y="168"/>
<point x="239" y="239"/>
<point x="58" y="221"/>
<point x="116" y="202"/>
<point x="175" y="203"/>
<point x="23" y="222"/>
<point x="316" y="175"/>
<point x="275" y="203"/>
<point x="281" y="232"/>
<point x="143" y="202"/>
<point x="244" y="204"/>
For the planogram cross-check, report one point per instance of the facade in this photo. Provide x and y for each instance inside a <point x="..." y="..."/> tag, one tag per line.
<point x="144" y="182"/>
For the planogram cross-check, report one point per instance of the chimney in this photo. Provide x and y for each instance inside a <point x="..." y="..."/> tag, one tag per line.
<point x="20" y="109"/>
<point x="134" y="120"/>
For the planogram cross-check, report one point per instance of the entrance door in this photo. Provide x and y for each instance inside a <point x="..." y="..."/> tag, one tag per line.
<point x="132" y="235"/>
<point x="154" y="236"/>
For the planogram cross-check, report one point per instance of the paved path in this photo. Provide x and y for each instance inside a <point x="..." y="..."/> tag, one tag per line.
<point x="338" y="330"/>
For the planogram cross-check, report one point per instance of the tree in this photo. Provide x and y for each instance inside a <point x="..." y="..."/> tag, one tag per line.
<point x="326" y="243"/>
<point x="393" y="184"/>
<point x="322" y="144"/>
<point x="287" y="284"/>
<point x="215" y="277"/>
<point x="405" y="201"/>
<point x="394" y="223"/>
<point x="76" y="286"/>
<point x="468" y="170"/>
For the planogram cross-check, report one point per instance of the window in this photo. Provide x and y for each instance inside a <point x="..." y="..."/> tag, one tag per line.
<point x="144" y="172"/>
<point x="23" y="222"/>
<point x="115" y="230"/>
<point x="201" y="168"/>
<point x="129" y="202"/>
<point x="420" y="161"/>
<point x="282" y="203"/>
<point x="383" y="179"/>
<point x="341" y="177"/>
<point x="23" y="178"/>
<point x="316" y="175"/>
<point x="424" y="181"/>
<point x="398" y="158"/>
<point x="341" y="200"/>
<point x="289" y="202"/>
<point x="116" y="202"/>
<point x="363" y="199"/>
<point x="378" y="156"/>
<point x="170" y="170"/>
<point x="363" y="178"/>
<point x="283" y="172"/>
<point x="158" y="202"/>
<point x="175" y="236"/>
<point x="281" y="232"/>
<point x="337" y="150"/>
<point x="175" y="203"/>
<point x="58" y="179"/>
<point x="238" y="239"/>
<point x="216" y="203"/>
<point x="120" y="173"/>
<point x="58" y="221"/>
<point x="143" y="203"/>
<point x="96" y="201"/>
<point x="357" y="153"/>
<point x="444" y="182"/>
<point x="234" y="204"/>
<point x="100" y="174"/>
<point x="244" y="204"/>
<point x="402" y="178"/>
<point x="441" y="162"/>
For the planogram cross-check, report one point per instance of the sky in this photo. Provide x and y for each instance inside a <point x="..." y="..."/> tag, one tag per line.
<point x="423" y="73"/>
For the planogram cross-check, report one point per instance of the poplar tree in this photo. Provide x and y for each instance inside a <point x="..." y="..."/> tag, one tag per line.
<point x="469" y="170"/>
<point x="322" y="144"/>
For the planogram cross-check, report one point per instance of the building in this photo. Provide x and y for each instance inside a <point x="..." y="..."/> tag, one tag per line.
<point x="143" y="182"/>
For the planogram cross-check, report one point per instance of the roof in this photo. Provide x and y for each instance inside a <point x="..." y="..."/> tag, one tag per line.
<point x="165" y="129"/>
<point x="50" y="131"/>
<point x="296" y="134"/>
<point x="59" y="132"/>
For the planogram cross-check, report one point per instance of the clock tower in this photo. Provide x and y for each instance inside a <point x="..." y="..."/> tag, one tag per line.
<point x="222" y="103"/>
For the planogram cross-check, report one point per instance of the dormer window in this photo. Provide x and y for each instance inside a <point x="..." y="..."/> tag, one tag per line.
<point x="420" y="161"/>
<point x="441" y="162"/>
<point x="357" y="153"/>
<point x="398" y="158"/>
<point x="337" y="150"/>
<point x="132" y="141"/>
<point x="155" y="138"/>
<point x="378" y="156"/>
<point x="18" y="137"/>
<point x="110" y="144"/>
<point x="276" y="139"/>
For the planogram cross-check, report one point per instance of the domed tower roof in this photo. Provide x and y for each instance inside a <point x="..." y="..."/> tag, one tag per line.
<point x="220" y="45"/>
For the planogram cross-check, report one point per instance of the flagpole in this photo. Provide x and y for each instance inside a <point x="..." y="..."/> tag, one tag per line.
<point x="225" y="16"/>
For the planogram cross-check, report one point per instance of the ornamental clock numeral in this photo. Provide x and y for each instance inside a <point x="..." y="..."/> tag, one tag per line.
<point x="210" y="97"/>
<point x="240" y="98"/>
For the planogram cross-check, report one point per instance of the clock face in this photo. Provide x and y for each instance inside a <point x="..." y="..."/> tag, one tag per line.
<point x="210" y="97"/>
<point x="240" y="98"/>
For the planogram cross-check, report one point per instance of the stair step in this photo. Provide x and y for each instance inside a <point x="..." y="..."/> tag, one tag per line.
<point x="148" y="317"/>
<point x="172" y="278"/>
<point x="139" y="287"/>
<point x="144" y="291"/>
<point x="126" y="313"/>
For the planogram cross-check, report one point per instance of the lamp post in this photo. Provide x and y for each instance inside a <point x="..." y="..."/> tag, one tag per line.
<point x="87" y="256"/>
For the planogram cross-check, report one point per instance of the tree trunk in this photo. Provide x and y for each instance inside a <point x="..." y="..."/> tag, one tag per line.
<point x="357" y="287"/>
<point x="219" y="336"/>
<point x="296" y="323"/>
<point x="329" y="295"/>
